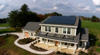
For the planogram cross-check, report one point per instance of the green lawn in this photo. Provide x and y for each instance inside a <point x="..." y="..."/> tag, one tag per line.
<point x="7" y="46"/>
<point x="7" y="30"/>
<point x="98" y="49"/>
<point x="10" y="29"/>
<point x="94" y="29"/>
<point x="4" y="25"/>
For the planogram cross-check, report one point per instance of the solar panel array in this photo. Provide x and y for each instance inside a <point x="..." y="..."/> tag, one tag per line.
<point x="66" y="20"/>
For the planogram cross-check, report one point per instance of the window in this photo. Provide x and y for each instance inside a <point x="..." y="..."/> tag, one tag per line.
<point x="47" y="28"/>
<point x="65" y="43"/>
<point x="68" y="31"/>
<point x="44" y="40"/>
<point x="72" y="44"/>
<point x="64" y="30"/>
<point x="31" y="34"/>
<point x="56" y="29"/>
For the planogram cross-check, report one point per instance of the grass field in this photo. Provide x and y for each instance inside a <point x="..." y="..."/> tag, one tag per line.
<point x="7" y="30"/>
<point x="10" y="29"/>
<point x="4" y="25"/>
<point x="7" y="47"/>
<point x="94" y="29"/>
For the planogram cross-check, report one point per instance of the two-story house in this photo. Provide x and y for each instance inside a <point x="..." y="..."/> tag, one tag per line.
<point x="60" y="33"/>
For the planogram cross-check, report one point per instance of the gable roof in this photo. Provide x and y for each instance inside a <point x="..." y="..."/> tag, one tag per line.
<point x="62" y="20"/>
<point x="32" y="26"/>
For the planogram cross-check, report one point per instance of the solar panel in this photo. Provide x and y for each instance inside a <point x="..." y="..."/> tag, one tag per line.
<point x="67" y="20"/>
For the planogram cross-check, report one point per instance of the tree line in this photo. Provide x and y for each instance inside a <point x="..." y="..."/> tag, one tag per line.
<point x="3" y="20"/>
<point x="93" y="18"/>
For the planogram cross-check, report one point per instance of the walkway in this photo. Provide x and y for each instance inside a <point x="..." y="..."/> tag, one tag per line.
<point x="27" y="46"/>
<point x="4" y="27"/>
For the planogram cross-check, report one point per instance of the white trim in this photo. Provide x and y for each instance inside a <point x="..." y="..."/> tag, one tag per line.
<point x="71" y="26"/>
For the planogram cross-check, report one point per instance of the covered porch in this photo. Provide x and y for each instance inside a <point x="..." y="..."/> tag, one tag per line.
<point x="57" y="45"/>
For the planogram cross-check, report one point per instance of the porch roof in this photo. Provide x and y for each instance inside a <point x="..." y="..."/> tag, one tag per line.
<point x="59" y="37"/>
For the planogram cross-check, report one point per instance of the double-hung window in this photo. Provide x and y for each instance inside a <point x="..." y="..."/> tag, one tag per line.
<point x="64" y="30"/>
<point x="56" y="29"/>
<point x="47" y="28"/>
<point x="67" y="30"/>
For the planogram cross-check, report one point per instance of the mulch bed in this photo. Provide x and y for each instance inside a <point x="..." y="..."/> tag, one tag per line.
<point x="37" y="48"/>
<point x="25" y="40"/>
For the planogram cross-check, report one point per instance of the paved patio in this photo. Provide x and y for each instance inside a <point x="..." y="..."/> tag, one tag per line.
<point x="55" y="48"/>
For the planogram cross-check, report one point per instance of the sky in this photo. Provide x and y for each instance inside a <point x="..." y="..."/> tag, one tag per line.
<point x="66" y="7"/>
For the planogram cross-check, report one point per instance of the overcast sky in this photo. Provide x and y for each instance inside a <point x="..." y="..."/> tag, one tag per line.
<point x="65" y="7"/>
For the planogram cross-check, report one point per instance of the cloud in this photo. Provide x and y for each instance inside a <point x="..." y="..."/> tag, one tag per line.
<point x="55" y="8"/>
<point x="96" y="2"/>
<point x="66" y="7"/>
<point x="1" y="7"/>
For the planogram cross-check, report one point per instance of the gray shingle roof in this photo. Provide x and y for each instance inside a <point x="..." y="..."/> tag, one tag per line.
<point x="63" y="20"/>
<point x="65" y="38"/>
<point x="32" y="26"/>
<point x="85" y="36"/>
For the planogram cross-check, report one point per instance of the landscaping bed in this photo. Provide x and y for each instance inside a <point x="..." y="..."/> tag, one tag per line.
<point x="25" y="40"/>
<point x="37" y="48"/>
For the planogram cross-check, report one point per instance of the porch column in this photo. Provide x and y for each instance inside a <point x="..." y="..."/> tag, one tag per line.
<point x="59" y="44"/>
<point x="84" y="45"/>
<point x="75" y="46"/>
<point x="41" y="40"/>
<point x="46" y="41"/>
<point x="59" y="47"/>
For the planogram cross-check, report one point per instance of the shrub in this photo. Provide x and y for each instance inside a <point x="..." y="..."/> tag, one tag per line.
<point x="61" y="53"/>
<point x="25" y="40"/>
<point x="37" y="48"/>
<point x="82" y="53"/>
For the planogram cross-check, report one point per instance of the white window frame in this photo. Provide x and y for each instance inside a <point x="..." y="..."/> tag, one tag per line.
<point x="48" y="28"/>
<point x="63" y="30"/>
<point x="67" y="31"/>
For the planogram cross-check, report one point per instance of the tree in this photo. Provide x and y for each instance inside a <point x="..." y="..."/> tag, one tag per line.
<point x="53" y="14"/>
<point x="13" y="15"/>
<point x="20" y="18"/>
<point x="24" y="8"/>
<point x="95" y="19"/>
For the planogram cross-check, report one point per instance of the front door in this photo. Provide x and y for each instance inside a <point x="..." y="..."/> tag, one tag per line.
<point x="56" y="43"/>
<point x="26" y="34"/>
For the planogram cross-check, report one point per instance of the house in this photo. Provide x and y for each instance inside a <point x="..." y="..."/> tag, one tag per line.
<point x="60" y="33"/>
